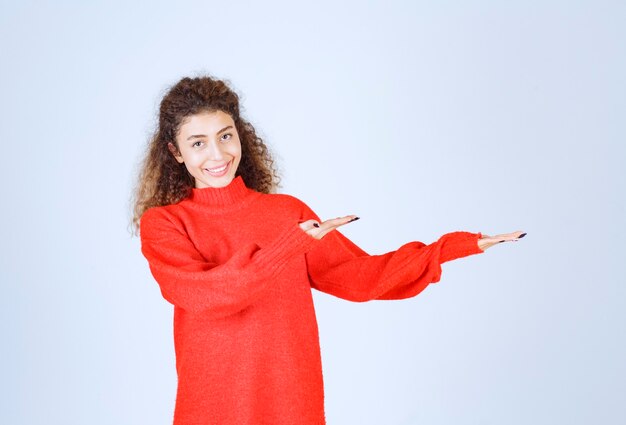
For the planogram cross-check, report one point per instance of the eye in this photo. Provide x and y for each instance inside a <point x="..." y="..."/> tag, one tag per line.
<point x="197" y="144"/>
<point x="226" y="137"/>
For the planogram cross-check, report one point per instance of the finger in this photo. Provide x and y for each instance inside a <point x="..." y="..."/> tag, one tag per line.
<point x="489" y="241"/>
<point x="333" y="223"/>
<point x="330" y="225"/>
<point x="507" y="237"/>
<point x="309" y="225"/>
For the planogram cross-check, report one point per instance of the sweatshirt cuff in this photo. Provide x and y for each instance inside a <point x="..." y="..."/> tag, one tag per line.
<point x="459" y="244"/>
<point x="293" y="241"/>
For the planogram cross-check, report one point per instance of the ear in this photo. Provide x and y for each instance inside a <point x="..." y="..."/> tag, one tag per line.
<point x="174" y="151"/>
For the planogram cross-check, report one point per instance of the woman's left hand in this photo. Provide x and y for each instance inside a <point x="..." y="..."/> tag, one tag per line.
<point x="489" y="241"/>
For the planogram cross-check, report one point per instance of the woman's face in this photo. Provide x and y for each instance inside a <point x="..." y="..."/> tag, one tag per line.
<point x="209" y="146"/>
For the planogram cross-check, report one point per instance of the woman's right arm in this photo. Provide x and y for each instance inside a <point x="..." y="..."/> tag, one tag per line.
<point x="190" y="282"/>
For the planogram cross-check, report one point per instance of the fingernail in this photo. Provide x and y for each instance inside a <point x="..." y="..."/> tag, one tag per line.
<point x="354" y="219"/>
<point x="521" y="236"/>
<point x="316" y="225"/>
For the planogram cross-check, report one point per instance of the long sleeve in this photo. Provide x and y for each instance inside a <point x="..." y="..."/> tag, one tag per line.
<point x="188" y="281"/>
<point x="339" y="267"/>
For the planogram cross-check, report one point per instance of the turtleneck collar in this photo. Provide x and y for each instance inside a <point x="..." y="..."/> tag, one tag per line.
<point x="223" y="197"/>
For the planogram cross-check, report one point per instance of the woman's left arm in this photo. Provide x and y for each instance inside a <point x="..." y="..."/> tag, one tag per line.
<point x="339" y="267"/>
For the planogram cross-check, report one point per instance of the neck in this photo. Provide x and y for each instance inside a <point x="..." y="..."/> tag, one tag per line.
<point x="234" y="193"/>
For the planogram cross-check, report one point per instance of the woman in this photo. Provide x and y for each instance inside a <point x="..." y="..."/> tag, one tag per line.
<point x="238" y="263"/>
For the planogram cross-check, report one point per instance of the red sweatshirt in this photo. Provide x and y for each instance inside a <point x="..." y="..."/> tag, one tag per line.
<point x="239" y="270"/>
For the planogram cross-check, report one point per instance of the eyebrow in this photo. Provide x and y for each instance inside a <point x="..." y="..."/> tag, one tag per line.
<point x="196" y="136"/>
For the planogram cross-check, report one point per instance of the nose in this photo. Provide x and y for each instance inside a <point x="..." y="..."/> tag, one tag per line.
<point x="215" y="151"/>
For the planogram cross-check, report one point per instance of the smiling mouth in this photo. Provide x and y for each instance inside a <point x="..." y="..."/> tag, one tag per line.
<point x="218" y="171"/>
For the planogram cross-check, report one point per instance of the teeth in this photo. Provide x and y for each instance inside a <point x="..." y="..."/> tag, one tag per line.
<point x="217" y="170"/>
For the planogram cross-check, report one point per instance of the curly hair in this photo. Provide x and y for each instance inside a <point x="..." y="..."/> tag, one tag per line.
<point x="164" y="181"/>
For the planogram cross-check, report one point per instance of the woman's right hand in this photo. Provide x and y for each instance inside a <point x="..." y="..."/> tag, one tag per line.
<point x="318" y="230"/>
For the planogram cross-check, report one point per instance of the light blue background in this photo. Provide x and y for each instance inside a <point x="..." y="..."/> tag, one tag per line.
<point x="421" y="117"/>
